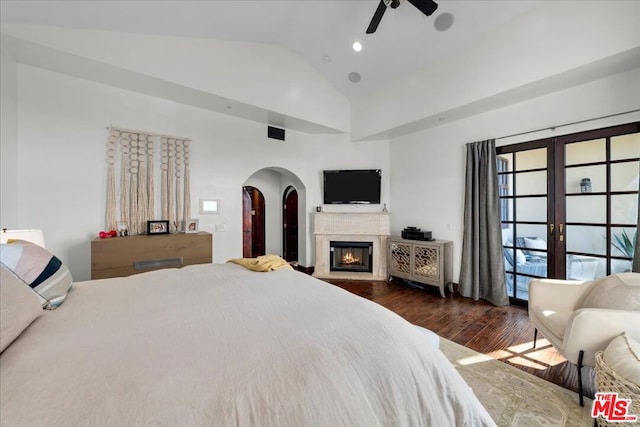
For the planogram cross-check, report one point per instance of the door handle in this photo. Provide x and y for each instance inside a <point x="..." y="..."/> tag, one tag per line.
<point x="561" y="227"/>
<point x="551" y="228"/>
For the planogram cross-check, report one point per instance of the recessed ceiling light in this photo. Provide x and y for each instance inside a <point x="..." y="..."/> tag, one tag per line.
<point x="443" y="22"/>
<point x="357" y="46"/>
<point x="326" y="59"/>
<point x="354" y="77"/>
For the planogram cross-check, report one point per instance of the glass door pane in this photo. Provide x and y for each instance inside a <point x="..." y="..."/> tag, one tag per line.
<point x="625" y="146"/>
<point x="625" y="178"/>
<point x="623" y="245"/>
<point x="523" y="178"/>
<point x="585" y="203"/>
<point x="600" y="219"/>
<point x="595" y="174"/>
<point x="585" y="152"/>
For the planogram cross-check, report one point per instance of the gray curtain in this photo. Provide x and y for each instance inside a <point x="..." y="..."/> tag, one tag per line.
<point x="636" y="250"/>
<point x="482" y="269"/>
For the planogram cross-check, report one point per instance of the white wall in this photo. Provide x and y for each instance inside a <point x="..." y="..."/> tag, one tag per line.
<point x="62" y="169"/>
<point x="8" y="139"/>
<point x="428" y="167"/>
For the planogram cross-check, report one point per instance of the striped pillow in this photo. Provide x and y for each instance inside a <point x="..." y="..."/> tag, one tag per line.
<point x="39" y="269"/>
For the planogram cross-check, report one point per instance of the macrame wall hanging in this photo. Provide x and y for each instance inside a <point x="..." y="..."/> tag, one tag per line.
<point x="134" y="198"/>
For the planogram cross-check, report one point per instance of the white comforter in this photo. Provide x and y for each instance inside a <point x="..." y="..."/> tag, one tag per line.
<point x="220" y="345"/>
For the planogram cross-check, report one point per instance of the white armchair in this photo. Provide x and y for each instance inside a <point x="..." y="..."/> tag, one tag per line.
<point x="581" y="318"/>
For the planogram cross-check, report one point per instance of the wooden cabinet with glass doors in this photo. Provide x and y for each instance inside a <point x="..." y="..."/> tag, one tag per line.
<point x="425" y="262"/>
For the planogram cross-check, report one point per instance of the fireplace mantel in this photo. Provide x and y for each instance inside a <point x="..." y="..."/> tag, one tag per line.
<point x="351" y="227"/>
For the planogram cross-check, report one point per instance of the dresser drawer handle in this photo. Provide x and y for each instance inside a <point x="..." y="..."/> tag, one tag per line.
<point x="158" y="263"/>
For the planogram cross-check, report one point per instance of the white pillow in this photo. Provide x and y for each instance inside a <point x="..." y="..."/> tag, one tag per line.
<point x="535" y="243"/>
<point x="19" y="306"/>
<point x="622" y="355"/>
<point x="615" y="291"/>
<point x="508" y="255"/>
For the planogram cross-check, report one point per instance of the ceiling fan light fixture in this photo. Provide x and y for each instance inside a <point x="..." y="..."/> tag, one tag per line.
<point x="356" y="46"/>
<point x="427" y="7"/>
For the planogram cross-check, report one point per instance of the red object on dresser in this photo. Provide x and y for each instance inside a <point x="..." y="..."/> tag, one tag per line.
<point x="105" y="234"/>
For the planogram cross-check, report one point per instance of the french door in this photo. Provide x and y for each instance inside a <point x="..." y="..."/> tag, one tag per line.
<point x="569" y="206"/>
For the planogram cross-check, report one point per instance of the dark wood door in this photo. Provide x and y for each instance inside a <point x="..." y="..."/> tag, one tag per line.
<point x="253" y="222"/>
<point x="246" y="224"/>
<point x="290" y="224"/>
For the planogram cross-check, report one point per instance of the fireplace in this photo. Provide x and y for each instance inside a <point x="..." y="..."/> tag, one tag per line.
<point x="358" y="227"/>
<point x="351" y="256"/>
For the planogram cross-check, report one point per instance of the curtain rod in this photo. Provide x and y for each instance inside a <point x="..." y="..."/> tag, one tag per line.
<point x="568" y="124"/>
<point x="110" y="128"/>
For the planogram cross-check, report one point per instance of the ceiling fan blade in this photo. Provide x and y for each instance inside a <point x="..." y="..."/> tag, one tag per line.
<point x="377" y="17"/>
<point x="425" y="6"/>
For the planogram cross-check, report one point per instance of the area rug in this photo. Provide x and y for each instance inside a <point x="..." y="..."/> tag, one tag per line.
<point x="513" y="397"/>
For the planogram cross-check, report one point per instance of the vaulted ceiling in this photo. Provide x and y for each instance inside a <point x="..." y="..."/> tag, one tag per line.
<point x="413" y="73"/>
<point x="321" y="31"/>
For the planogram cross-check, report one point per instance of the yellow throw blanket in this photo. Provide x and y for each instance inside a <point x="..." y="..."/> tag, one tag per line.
<point x="262" y="263"/>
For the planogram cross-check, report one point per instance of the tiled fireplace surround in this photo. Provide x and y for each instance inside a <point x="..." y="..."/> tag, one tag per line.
<point x="351" y="227"/>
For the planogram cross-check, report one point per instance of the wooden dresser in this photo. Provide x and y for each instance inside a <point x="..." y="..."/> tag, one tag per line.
<point x="428" y="262"/>
<point x="124" y="256"/>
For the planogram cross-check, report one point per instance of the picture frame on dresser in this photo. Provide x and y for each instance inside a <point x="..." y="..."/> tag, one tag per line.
<point x="191" y="226"/>
<point x="157" y="227"/>
<point x="122" y="228"/>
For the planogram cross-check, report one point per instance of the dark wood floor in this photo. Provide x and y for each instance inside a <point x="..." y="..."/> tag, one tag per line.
<point x="504" y="333"/>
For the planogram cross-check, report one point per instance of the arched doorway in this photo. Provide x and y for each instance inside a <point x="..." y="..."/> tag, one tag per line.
<point x="274" y="182"/>
<point x="253" y="225"/>
<point x="290" y="224"/>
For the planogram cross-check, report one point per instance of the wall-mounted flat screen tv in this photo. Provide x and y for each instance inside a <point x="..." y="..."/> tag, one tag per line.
<point x="352" y="186"/>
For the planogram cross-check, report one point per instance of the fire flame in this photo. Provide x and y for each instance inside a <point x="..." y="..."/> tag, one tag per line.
<point x="349" y="259"/>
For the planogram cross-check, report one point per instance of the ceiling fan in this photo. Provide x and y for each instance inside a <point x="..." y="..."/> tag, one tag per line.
<point x="425" y="6"/>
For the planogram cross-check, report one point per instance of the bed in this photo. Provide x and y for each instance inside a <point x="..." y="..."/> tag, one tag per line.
<point x="219" y="345"/>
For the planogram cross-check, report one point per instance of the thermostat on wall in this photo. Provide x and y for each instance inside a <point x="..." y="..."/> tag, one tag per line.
<point x="209" y="206"/>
